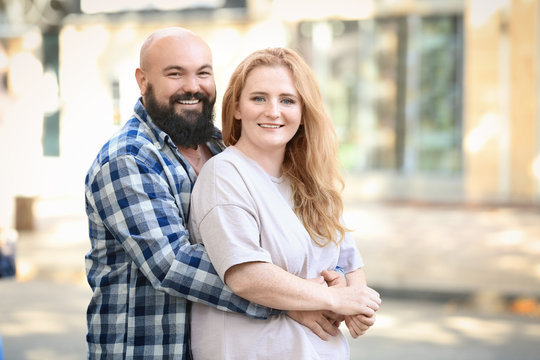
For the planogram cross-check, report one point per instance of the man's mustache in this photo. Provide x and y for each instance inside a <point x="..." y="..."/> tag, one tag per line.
<point x="189" y="96"/>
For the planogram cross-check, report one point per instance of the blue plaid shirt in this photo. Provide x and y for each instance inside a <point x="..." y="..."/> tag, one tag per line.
<point x="142" y="268"/>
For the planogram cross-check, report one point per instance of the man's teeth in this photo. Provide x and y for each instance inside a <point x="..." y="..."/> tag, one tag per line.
<point x="268" y="126"/>
<point x="188" y="102"/>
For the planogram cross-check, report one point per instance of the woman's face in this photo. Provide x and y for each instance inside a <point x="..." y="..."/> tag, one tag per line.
<point x="270" y="110"/>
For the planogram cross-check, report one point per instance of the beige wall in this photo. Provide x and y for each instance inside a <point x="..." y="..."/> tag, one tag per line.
<point x="524" y="38"/>
<point x="501" y="100"/>
<point x="482" y="86"/>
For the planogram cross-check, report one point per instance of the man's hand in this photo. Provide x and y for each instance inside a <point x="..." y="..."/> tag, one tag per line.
<point x="334" y="278"/>
<point x="322" y="323"/>
<point x="359" y="324"/>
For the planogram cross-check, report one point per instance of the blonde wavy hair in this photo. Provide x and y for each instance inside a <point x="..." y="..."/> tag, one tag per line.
<point x="311" y="155"/>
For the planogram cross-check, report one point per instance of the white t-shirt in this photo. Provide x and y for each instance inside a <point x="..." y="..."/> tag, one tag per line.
<point x="242" y="214"/>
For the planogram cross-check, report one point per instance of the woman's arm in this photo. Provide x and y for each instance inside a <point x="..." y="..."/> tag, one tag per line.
<point x="269" y="285"/>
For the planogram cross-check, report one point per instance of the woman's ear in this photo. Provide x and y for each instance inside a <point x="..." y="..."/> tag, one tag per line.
<point x="237" y="114"/>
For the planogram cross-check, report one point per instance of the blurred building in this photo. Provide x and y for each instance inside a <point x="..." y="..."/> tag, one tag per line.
<point x="433" y="100"/>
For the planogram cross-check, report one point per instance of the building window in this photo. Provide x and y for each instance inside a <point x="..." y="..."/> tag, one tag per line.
<point x="51" y="118"/>
<point x="393" y="87"/>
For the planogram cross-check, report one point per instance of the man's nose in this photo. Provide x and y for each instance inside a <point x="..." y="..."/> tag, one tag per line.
<point x="190" y="84"/>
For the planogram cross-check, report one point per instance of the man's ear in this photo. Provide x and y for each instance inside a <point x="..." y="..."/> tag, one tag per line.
<point x="140" y="76"/>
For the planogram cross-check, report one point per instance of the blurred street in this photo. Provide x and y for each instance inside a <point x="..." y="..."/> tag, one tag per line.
<point x="457" y="283"/>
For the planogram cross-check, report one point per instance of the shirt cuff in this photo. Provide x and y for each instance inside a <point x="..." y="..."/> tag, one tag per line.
<point x="340" y="270"/>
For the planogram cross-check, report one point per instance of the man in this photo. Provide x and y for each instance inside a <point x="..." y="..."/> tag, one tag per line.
<point x="142" y="268"/>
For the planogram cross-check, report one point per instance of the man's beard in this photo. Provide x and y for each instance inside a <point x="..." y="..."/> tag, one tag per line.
<point x="189" y="129"/>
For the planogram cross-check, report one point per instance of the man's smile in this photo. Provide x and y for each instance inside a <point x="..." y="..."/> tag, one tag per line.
<point x="189" y="102"/>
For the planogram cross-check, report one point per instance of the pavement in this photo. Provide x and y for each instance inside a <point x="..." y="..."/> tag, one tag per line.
<point x="478" y="251"/>
<point x="457" y="282"/>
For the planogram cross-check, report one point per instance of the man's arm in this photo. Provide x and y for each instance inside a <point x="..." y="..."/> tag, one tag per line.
<point x="134" y="200"/>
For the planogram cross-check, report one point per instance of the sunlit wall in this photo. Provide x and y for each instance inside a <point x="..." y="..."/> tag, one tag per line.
<point x="432" y="100"/>
<point x="23" y="101"/>
<point x="502" y="128"/>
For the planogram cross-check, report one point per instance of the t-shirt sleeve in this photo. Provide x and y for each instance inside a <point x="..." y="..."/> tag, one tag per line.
<point x="349" y="257"/>
<point x="231" y="237"/>
<point x="224" y="215"/>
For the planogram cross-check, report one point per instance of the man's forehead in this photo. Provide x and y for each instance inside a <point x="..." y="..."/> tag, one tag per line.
<point x="186" y="51"/>
<point x="187" y="67"/>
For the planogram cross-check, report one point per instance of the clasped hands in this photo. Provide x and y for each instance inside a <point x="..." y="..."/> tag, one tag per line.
<point x="325" y="323"/>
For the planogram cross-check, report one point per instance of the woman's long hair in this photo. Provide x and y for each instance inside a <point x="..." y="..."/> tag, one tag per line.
<point x="310" y="156"/>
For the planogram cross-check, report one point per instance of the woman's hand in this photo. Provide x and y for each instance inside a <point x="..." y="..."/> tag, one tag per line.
<point x="355" y="300"/>
<point x="334" y="278"/>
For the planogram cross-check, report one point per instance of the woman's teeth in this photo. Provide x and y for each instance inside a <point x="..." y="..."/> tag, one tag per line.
<point x="268" y="126"/>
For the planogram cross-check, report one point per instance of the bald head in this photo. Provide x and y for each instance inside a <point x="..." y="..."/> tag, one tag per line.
<point x="170" y="33"/>
<point x="175" y="56"/>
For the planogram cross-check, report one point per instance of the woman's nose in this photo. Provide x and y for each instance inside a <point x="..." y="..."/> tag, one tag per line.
<point x="272" y="110"/>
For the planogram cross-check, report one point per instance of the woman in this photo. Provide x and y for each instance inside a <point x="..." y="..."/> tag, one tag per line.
<point x="268" y="210"/>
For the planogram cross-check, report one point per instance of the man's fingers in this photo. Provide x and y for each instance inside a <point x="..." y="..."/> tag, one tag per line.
<point x="359" y="324"/>
<point x="319" y="331"/>
<point x="328" y="327"/>
<point x="320" y="322"/>
<point x="334" y="317"/>
<point x="356" y="326"/>
<point x="368" y="321"/>
<point x="351" y="326"/>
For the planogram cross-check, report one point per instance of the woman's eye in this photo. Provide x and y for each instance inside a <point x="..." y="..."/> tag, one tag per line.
<point x="258" y="99"/>
<point x="288" y="101"/>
